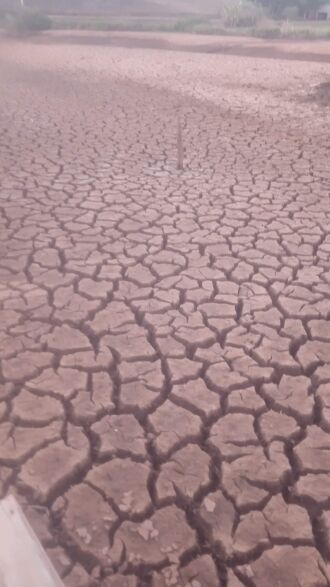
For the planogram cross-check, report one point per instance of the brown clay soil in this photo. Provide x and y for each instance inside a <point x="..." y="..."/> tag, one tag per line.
<point x="165" y="334"/>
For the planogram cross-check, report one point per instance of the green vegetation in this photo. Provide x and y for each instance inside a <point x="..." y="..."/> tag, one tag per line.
<point x="263" y="28"/>
<point x="240" y="13"/>
<point x="239" y="17"/>
<point x="186" y="25"/>
<point x="26" y="21"/>
<point x="303" y="8"/>
<point x="271" y="19"/>
<point x="106" y="23"/>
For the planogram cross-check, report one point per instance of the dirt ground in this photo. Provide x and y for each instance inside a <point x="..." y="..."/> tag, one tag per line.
<point x="165" y="333"/>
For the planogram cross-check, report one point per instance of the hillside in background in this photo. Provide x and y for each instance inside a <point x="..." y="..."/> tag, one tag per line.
<point x="119" y="7"/>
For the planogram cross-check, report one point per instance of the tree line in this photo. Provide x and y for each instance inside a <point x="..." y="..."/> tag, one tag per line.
<point x="305" y="8"/>
<point x="275" y="8"/>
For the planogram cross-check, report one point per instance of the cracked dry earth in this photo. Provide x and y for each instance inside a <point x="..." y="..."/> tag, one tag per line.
<point x="165" y="335"/>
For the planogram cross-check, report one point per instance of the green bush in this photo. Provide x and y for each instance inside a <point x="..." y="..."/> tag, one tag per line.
<point x="267" y="33"/>
<point x="188" y="25"/>
<point x="297" y="33"/>
<point x="240" y="13"/>
<point x="27" y="21"/>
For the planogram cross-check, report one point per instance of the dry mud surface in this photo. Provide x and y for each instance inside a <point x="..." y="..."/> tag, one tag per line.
<point x="165" y="334"/>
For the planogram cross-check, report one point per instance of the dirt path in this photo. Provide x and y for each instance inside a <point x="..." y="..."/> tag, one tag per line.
<point x="165" y="334"/>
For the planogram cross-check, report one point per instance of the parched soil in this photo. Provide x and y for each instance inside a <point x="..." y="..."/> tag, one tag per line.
<point x="322" y="94"/>
<point x="165" y="333"/>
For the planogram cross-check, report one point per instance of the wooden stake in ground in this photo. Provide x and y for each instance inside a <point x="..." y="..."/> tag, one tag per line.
<point x="23" y="561"/>
<point x="180" y="146"/>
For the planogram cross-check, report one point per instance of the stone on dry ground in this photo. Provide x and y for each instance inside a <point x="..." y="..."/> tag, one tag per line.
<point x="165" y="334"/>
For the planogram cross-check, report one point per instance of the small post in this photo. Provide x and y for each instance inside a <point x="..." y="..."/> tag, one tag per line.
<point x="180" y="146"/>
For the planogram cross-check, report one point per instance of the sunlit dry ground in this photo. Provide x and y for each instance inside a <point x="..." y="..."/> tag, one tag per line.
<point x="165" y="334"/>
